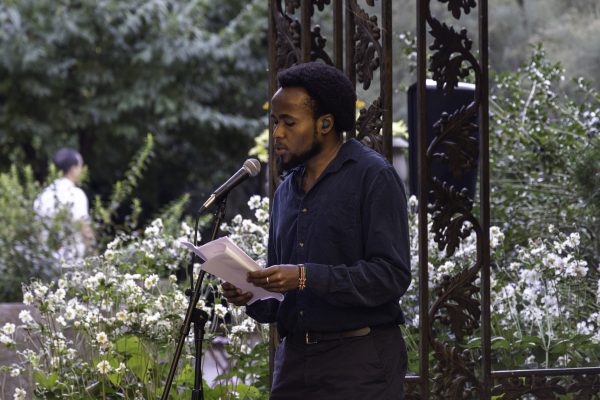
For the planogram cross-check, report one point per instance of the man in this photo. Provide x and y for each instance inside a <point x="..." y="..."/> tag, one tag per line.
<point x="338" y="249"/>
<point x="63" y="194"/>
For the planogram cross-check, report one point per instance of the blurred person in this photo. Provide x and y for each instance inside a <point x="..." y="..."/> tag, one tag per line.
<point x="63" y="194"/>
<point x="338" y="249"/>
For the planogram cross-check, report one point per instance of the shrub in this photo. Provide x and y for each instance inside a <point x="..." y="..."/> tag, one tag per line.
<point x="108" y="327"/>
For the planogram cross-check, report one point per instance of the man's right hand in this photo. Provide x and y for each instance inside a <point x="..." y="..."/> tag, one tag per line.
<point x="234" y="295"/>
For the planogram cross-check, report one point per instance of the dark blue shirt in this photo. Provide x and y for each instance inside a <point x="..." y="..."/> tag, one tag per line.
<point x="350" y="231"/>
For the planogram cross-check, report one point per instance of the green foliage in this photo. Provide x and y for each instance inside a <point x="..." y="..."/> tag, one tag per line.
<point x="98" y="75"/>
<point x="107" y="328"/>
<point x="105" y="214"/>
<point x="27" y="243"/>
<point x="539" y="135"/>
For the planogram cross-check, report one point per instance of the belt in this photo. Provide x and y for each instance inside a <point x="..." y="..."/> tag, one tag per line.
<point x="317" y="337"/>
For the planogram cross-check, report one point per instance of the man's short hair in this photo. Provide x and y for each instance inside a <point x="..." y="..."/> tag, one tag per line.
<point x="66" y="158"/>
<point x="329" y="88"/>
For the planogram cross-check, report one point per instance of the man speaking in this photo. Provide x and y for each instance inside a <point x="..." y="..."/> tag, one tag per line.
<point x="338" y="249"/>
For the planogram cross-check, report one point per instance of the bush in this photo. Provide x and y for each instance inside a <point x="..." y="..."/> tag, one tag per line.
<point x="108" y="327"/>
<point x="24" y="250"/>
<point x="542" y="143"/>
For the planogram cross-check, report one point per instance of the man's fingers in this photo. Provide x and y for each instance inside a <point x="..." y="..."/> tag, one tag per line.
<point x="240" y="300"/>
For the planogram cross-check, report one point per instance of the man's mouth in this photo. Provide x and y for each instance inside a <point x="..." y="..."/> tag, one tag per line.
<point x="279" y="149"/>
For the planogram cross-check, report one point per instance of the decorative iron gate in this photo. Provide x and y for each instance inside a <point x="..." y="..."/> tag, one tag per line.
<point x="362" y="47"/>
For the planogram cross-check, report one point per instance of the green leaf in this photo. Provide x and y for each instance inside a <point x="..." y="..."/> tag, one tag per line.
<point x="128" y="345"/>
<point x="44" y="380"/>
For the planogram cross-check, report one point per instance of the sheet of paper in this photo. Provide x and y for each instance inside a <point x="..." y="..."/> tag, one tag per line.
<point x="225" y="260"/>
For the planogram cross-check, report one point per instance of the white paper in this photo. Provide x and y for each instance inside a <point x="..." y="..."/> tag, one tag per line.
<point x="225" y="260"/>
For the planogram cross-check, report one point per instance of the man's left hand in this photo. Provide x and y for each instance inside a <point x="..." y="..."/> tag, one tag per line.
<point x="276" y="278"/>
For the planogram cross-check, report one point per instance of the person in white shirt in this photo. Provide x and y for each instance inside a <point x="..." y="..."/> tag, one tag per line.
<point x="63" y="194"/>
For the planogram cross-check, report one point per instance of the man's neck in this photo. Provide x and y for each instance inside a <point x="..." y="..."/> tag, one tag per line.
<point x="316" y="165"/>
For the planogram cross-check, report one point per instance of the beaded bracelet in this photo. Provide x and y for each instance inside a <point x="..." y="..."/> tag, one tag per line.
<point x="302" y="277"/>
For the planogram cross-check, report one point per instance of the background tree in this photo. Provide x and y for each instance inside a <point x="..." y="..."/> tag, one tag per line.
<point x="100" y="74"/>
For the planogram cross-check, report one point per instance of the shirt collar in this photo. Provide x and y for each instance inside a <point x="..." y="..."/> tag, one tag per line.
<point x="349" y="151"/>
<point x="65" y="182"/>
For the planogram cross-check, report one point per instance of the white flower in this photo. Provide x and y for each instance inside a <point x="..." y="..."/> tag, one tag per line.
<point x="122" y="315"/>
<point x="101" y="338"/>
<point x="104" y="367"/>
<point x="6" y="340"/>
<point x="40" y="290"/>
<point x="412" y="201"/>
<point x="121" y="368"/>
<point x="572" y="241"/>
<point x="19" y="394"/>
<point x="70" y="313"/>
<point x="584" y="329"/>
<point x="25" y="317"/>
<point x="220" y="310"/>
<point x="8" y="328"/>
<point x="15" y="372"/>
<point x="27" y="298"/>
<point x="151" y="281"/>
<point x="496" y="236"/>
<point x="254" y="202"/>
<point x="60" y="293"/>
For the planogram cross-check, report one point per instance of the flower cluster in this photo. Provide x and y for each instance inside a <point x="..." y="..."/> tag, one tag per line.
<point x="252" y="235"/>
<point x="540" y="293"/>
<point x="109" y="323"/>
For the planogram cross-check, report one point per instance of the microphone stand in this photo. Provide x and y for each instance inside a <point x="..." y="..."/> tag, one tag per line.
<point x="194" y="315"/>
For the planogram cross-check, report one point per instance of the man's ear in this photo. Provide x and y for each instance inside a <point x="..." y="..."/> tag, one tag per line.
<point x="325" y="124"/>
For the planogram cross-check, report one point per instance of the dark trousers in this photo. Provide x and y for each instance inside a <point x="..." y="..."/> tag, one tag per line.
<point x="370" y="367"/>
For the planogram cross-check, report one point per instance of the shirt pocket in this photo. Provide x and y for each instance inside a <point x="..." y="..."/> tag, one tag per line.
<point x="342" y="219"/>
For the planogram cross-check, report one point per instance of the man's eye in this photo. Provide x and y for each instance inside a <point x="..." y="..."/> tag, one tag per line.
<point x="289" y="122"/>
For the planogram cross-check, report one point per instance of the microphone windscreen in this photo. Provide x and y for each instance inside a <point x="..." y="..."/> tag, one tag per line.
<point x="252" y="165"/>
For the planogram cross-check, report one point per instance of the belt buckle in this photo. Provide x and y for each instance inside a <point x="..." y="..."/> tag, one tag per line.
<point x="308" y="339"/>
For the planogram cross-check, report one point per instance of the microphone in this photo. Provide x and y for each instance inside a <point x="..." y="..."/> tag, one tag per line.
<point x="251" y="168"/>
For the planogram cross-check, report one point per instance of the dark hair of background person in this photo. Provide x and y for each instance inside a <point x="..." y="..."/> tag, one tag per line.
<point x="66" y="158"/>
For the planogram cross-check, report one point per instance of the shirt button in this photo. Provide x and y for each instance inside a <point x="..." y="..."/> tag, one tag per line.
<point x="305" y="210"/>
<point x="301" y="313"/>
<point x="301" y="244"/>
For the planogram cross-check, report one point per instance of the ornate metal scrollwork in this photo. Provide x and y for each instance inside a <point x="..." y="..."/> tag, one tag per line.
<point x="289" y="35"/>
<point x="368" y="47"/>
<point x="453" y="132"/>
<point x="450" y="211"/>
<point x="317" y="49"/>
<point x="452" y="49"/>
<point x="455" y="6"/>
<point x="292" y="5"/>
<point x="542" y="387"/>
<point x="457" y="305"/>
<point x="453" y="374"/>
<point x="369" y="124"/>
<point x="287" y="42"/>
<point x="583" y="387"/>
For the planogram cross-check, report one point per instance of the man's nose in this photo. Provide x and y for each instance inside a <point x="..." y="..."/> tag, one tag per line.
<point x="277" y="131"/>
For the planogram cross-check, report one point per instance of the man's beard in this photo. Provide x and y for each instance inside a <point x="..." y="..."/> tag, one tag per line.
<point x="298" y="159"/>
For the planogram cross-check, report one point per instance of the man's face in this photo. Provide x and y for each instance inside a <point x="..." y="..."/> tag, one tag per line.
<point x="294" y="133"/>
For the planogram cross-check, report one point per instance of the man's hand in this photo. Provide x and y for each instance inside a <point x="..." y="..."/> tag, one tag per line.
<point x="234" y="295"/>
<point x="277" y="278"/>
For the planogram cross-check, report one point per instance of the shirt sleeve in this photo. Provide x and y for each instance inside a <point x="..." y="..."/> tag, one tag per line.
<point x="80" y="207"/>
<point x="384" y="273"/>
<point x="264" y="311"/>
